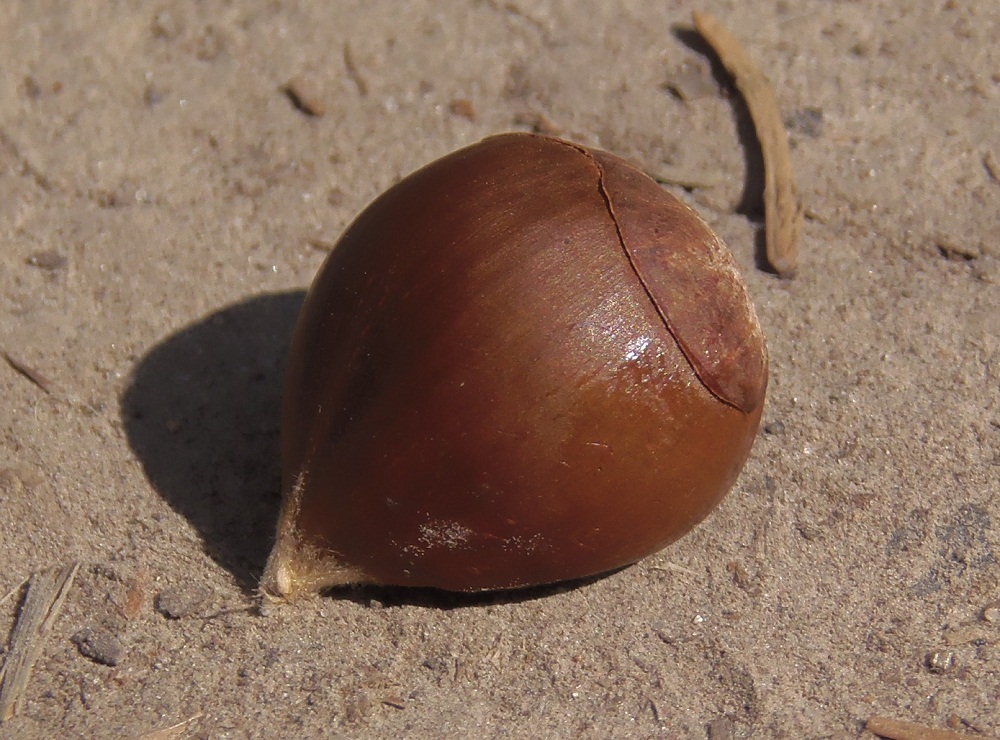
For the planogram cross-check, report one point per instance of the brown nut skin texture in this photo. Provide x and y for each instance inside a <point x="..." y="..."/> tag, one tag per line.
<point x="522" y="364"/>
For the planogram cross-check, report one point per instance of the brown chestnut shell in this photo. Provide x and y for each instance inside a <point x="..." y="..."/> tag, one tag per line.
<point x="524" y="363"/>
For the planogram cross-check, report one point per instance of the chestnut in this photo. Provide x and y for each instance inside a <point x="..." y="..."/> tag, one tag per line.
<point x="524" y="363"/>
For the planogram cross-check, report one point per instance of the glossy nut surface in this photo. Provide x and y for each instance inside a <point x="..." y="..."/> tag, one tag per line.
<point x="524" y="363"/>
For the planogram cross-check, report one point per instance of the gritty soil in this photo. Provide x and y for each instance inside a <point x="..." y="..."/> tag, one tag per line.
<point x="171" y="177"/>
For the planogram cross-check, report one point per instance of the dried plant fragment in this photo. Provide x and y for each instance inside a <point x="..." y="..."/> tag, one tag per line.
<point x="46" y="592"/>
<point x="782" y="211"/>
<point x="28" y="372"/>
<point x="174" y="731"/>
<point x="894" y="729"/>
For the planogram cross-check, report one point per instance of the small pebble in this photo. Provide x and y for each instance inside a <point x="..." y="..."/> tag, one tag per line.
<point x="177" y="603"/>
<point x="306" y="96"/>
<point x="721" y="728"/>
<point x="49" y="259"/>
<point x="991" y="613"/>
<point x="463" y="107"/>
<point x="99" y="645"/>
<point x="940" y="662"/>
<point x="437" y="665"/>
<point x="807" y="121"/>
<point x="957" y="250"/>
<point x="31" y="88"/>
<point x="692" y="80"/>
<point x="774" y="427"/>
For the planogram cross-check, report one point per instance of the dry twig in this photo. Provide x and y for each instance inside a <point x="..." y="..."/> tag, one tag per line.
<point x="782" y="211"/>
<point x="27" y="371"/>
<point x="894" y="729"/>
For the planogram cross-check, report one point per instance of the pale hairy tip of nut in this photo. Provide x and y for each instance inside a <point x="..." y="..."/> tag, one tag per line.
<point x="296" y="568"/>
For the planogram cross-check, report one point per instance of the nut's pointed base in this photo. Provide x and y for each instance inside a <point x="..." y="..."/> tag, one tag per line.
<point x="295" y="568"/>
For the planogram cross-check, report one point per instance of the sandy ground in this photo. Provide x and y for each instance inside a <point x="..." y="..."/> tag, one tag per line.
<point x="163" y="204"/>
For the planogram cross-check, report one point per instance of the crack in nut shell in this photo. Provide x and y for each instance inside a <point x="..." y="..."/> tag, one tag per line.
<point x="693" y="282"/>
